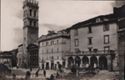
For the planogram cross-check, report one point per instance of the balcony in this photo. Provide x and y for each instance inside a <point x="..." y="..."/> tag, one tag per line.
<point x="81" y="53"/>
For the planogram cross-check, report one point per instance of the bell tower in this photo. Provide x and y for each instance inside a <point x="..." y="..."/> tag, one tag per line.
<point x="30" y="28"/>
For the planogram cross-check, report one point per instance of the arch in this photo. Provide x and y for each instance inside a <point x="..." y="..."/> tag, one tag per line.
<point x="77" y="61"/>
<point x="63" y="62"/>
<point x="102" y="62"/>
<point x="70" y="61"/>
<point x="52" y="65"/>
<point x="85" y="60"/>
<point x="47" y="65"/>
<point x="43" y="66"/>
<point x="93" y="61"/>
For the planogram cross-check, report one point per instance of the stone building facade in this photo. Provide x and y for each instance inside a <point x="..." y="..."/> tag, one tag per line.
<point x="9" y="58"/>
<point x="97" y="46"/>
<point x="121" y="44"/>
<point x="53" y="47"/>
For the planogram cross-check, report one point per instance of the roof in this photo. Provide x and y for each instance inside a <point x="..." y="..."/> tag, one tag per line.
<point x="20" y="45"/>
<point x="103" y="19"/>
<point x="59" y="34"/>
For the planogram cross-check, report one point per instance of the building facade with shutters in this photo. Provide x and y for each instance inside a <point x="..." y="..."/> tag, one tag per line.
<point x="53" y="48"/>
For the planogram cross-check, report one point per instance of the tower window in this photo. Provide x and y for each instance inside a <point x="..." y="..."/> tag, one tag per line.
<point x="30" y="12"/>
<point x="34" y="13"/>
<point x="90" y="40"/>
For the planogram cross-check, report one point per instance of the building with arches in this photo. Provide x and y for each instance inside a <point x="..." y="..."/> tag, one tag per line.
<point x="97" y="46"/>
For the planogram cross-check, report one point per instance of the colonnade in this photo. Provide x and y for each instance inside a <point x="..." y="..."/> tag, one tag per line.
<point x="84" y="61"/>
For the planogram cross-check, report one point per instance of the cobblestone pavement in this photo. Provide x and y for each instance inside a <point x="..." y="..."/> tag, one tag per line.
<point x="102" y="75"/>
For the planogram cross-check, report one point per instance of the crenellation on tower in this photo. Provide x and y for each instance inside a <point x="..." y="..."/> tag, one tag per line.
<point x="31" y="3"/>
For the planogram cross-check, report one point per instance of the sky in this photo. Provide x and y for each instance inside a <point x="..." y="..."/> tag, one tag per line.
<point x="53" y="15"/>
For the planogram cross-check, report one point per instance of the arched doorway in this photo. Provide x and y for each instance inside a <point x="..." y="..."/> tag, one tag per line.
<point x="85" y="61"/>
<point x="103" y="62"/>
<point x="70" y="61"/>
<point x="43" y="66"/>
<point x="47" y="65"/>
<point x="93" y="61"/>
<point x="63" y="63"/>
<point x="52" y="65"/>
<point x="77" y="61"/>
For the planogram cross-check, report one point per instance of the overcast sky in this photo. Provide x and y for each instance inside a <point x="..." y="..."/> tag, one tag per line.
<point x="53" y="15"/>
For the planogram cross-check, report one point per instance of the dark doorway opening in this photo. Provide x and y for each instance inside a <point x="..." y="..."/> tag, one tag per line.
<point x="102" y="62"/>
<point x="77" y="61"/>
<point x="47" y="65"/>
<point x="70" y="61"/>
<point x="52" y="65"/>
<point x="93" y="61"/>
<point x="85" y="60"/>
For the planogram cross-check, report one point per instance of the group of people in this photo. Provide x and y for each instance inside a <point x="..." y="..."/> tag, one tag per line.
<point x="28" y="75"/>
<point x="52" y="77"/>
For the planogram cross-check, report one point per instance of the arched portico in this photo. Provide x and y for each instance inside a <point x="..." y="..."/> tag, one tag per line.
<point x="70" y="61"/>
<point x="85" y="61"/>
<point x="103" y="62"/>
<point x="93" y="61"/>
<point x="77" y="61"/>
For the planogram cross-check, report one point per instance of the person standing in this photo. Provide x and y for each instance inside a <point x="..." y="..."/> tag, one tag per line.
<point x="52" y="77"/>
<point x="28" y="74"/>
<point x="44" y="73"/>
<point x="14" y="76"/>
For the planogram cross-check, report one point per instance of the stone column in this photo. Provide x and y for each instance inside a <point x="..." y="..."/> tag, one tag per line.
<point x="74" y="59"/>
<point x="109" y="62"/>
<point x="81" y="65"/>
<point x="98" y="61"/>
<point x="89" y="59"/>
<point x="66" y="62"/>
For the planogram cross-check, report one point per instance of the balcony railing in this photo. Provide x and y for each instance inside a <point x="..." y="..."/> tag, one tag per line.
<point x="92" y="52"/>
